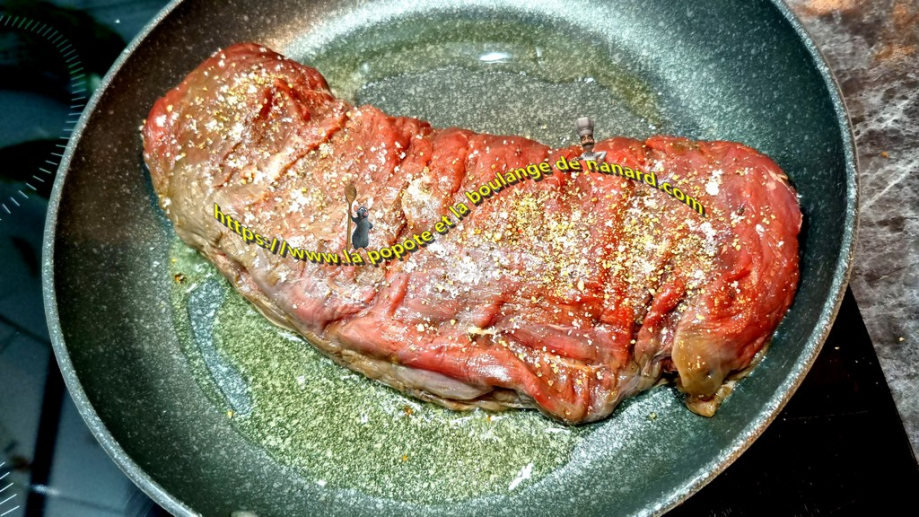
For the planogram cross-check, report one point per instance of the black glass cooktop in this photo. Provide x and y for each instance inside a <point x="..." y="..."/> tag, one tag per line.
<point x="838" y="448"/>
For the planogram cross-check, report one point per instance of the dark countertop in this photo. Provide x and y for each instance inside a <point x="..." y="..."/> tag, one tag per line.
<point x="837" y="448"/>
<point x="873" y="48"/>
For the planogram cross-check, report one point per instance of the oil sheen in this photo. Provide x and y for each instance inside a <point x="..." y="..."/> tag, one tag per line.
<point x="526" y="77"/>
<point x="338" y="428"/>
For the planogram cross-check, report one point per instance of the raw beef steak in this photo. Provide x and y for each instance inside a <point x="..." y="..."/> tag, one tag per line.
<point x="566" y="293"/>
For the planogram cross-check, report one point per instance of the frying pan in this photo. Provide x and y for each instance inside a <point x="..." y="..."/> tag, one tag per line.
<point x="729" y="70"/>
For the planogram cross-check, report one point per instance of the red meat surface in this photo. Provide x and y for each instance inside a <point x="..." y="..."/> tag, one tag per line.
<point x="566" y="294"/>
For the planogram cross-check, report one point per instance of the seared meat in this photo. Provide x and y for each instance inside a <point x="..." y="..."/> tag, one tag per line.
<point x="566" y="294"/>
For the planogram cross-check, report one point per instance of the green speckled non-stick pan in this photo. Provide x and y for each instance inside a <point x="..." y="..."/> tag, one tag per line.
<point x="211" y="410"/>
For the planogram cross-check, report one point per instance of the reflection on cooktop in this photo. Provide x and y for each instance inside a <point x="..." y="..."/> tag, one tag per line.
<point x="52" y="56"/>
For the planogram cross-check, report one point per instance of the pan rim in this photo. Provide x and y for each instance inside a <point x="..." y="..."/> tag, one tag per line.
<point x="840" y="276"/>
<point x="678" y="494"/>
<point x="87" y="411"/>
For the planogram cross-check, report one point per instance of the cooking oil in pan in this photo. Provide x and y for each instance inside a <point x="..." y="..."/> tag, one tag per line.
<point x="493" y="75"/>
<point x="338" y="428"/>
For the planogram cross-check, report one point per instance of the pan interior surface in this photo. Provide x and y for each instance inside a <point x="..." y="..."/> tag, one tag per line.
<point x="212" y="410"/>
